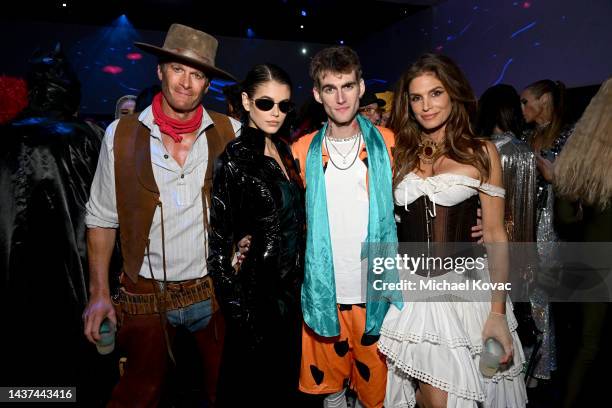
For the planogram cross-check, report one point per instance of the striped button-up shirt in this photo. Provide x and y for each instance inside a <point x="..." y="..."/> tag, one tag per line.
<point x="181" y="196"/>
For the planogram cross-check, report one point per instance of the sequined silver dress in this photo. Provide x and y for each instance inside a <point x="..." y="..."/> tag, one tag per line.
<point x="545" y="234"/>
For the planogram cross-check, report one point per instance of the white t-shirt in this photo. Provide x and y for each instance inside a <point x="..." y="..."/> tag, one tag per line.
<point x="347" y="209"/>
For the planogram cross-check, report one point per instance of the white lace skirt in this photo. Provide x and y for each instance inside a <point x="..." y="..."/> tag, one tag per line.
<point x="439" y="343"/>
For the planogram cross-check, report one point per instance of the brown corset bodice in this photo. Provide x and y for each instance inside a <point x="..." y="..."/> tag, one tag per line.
<point x="451" y="224"/>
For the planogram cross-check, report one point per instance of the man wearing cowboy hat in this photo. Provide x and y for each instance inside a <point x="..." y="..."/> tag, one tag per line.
<point x="152" y="183"/>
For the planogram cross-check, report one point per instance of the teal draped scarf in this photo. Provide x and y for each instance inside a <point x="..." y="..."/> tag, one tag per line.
<point x="319" y="288"/>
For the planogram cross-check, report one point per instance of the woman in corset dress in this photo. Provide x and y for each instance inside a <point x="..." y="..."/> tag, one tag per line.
<point x="441" y="174"/>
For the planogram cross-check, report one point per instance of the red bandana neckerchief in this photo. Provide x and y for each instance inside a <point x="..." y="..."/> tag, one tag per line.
<point x="173" y="127"/>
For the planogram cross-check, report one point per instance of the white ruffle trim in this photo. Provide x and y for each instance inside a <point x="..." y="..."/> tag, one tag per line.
<point x="440" y="344"/>
<point x="424" y="376"/>
<point x="430" y="337"/>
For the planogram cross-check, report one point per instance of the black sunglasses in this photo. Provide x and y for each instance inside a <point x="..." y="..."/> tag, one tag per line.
<point x="267" y="104"/>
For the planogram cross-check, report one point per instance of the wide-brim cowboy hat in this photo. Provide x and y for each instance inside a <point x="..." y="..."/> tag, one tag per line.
<point x="191" y="47"/>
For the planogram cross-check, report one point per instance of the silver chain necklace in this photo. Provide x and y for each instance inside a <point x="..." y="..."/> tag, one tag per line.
<point x="346" y="139"/>
<point x="344" y="156"/>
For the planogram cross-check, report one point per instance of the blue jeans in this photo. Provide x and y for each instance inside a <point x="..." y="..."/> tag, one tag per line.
<point x="193" y="317"/>
<point x="142" y="339"/>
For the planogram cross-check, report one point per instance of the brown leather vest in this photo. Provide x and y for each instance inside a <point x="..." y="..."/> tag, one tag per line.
<point x="136" y="190"/>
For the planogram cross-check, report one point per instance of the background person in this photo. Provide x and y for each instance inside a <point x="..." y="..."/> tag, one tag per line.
<point x="370" y="106"/>
<point x="583" y="184"/>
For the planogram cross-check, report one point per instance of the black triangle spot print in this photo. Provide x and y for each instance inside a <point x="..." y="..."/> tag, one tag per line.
<point x="368" y="339"/>
<point x="363" y="369"/>
<point x="341" y="347"/>
<point x="317" y="374"/>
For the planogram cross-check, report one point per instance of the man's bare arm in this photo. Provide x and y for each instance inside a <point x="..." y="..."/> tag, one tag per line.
<point x="100" y="244"/>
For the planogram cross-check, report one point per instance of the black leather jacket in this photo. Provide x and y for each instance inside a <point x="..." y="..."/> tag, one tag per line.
<point x="251" y="195"/>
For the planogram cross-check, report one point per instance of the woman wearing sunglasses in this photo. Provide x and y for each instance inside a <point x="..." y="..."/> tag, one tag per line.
<point x="257" y="191"/>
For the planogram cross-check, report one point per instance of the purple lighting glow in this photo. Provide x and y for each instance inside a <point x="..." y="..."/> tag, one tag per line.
<point x="112" y="69"/>
<point x="134" y="56"/>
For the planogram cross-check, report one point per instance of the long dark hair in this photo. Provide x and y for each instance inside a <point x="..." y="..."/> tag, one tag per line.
<point x="500" y="106"/>
<point x="556" y="89"/>
<point x="460" y="142"/>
